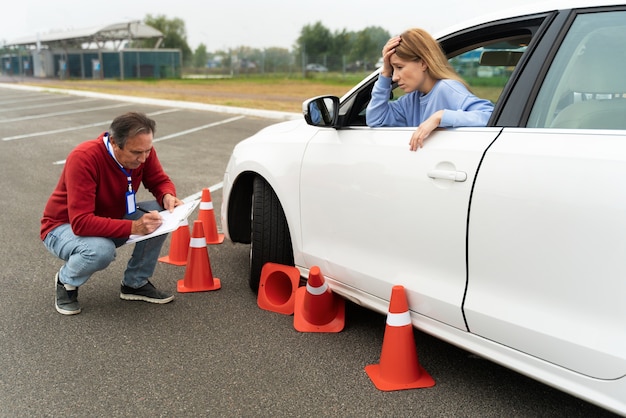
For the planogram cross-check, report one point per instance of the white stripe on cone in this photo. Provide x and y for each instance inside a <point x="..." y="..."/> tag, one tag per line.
<point x="316" y="291"/>
<point x="197" y="242"/>
<point x="398" y="319"/>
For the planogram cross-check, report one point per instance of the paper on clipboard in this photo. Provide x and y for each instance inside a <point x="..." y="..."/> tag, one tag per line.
<point x="171" y="221"/>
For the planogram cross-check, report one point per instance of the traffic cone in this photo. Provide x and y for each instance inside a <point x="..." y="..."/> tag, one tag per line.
<point x="179" y="246"/>
<point x="277" y="289"/>
<point x="207" y="216"/>
<point x="198" y="275"/>
<point x="317" y="308"/>
<point x="398" y="368"/>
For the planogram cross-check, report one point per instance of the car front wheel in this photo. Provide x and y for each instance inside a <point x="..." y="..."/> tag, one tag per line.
<point x="270" y="240"/>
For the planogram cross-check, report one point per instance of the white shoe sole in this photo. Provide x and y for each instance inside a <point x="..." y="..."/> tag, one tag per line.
<point x="126" y="296"/>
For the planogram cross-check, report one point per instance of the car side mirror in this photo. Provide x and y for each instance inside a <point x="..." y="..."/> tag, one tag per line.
<point x="321" y="111"/>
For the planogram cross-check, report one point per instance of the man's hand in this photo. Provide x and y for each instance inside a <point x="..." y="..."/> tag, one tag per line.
<point x="147" y="224"/>
<point x="171" y="201"/>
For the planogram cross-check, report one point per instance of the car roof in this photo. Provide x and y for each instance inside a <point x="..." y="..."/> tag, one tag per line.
<point x="526" y="9"/>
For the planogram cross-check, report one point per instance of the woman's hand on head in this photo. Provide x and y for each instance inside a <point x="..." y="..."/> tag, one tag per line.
<point x="388" y="50"/>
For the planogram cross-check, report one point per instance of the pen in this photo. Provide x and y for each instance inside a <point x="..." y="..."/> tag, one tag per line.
<point x="142" y="209"/>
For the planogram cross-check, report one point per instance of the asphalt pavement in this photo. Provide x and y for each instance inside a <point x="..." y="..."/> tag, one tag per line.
<point x="213" y="354"/>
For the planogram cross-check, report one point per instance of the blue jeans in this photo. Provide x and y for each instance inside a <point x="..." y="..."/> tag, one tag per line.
<point x="84" y="256"/>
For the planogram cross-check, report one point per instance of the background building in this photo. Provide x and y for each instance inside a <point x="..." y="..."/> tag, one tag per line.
<point x="93" y="53"/>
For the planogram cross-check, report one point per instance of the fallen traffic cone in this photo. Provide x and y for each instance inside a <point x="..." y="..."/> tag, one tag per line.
<point x="179" y="246"/>
<point x="207" y="216"/>
<point x="198" y="275"/>
<point x="398" y="368"/>
<point x="317" y="308"/>
<point x="277" y="289"/>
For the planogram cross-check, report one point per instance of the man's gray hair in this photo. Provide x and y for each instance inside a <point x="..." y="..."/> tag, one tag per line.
<point x="128" y="125"/>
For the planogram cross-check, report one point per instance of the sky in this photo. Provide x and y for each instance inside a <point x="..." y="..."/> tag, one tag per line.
<point x="225" y="24"/>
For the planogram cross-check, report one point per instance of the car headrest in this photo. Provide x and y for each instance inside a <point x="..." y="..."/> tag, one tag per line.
<point x="601" y="63"/>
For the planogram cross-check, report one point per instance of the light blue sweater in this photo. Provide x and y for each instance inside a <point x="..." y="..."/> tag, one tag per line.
<point x="461" y="108"/>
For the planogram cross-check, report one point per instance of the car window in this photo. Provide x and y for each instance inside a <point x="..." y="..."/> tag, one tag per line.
<point x="485" y="56"/>
<point x="585" y="87"/>
<point x="488" y="67"/>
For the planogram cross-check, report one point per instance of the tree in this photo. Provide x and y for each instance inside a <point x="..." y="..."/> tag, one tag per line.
<point x="342" y="42"/>
<point x="174" y="34"/>
<point x="367" y="44"/>
<point x="200" y="56"/>
<point x="314" y="43"/>
<point x="317" y="44"/>
<point x="379" y="37"/>
<point x="277" y="59"/>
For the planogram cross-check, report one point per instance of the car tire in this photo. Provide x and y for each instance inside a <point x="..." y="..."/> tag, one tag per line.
<point x="270" y="240"/>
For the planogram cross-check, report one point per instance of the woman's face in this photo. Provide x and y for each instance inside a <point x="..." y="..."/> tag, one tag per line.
<point x="411" y="75"/>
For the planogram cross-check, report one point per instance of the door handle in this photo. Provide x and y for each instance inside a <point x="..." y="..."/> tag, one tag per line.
<point x="448" y="175"/>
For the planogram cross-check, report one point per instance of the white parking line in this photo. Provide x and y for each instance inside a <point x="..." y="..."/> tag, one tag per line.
<point x="269" y="114"/>
<point x="199" y="128"/>
<point x="38" y="98"/>
<point x="67" y="112"/>
<point x="11" y="109"/>
<point x="189" y="198"/>
<point x="177" y="134"/>
<point x="76" y="128"/>
<point x="198" y="195"/>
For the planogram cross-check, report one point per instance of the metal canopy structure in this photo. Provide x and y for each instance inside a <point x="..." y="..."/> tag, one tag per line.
<point x="99" y="36"/>
<point x="98" y="52"/>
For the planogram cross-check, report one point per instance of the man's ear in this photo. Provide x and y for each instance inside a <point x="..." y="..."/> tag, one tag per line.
<point x="114" y="144"/>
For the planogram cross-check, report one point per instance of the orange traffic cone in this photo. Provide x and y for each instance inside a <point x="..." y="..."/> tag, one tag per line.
<point x="399" y="368"/>
<point x="206" y="215"/>
<point x="179" y="246"/>
<point x="277" y="289"/>
<point x="317" y="308"/>
<point x="198" y="275"/>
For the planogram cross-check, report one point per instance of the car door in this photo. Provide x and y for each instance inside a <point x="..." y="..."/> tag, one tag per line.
<point x="374" y="214"/>
<point x="547" y="225"/>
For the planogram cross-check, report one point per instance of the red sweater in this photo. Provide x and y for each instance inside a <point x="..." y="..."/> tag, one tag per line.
<point x="91" y="193"/>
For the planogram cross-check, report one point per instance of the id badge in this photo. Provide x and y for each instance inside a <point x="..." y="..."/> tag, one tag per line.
<point x="131" y="205"/>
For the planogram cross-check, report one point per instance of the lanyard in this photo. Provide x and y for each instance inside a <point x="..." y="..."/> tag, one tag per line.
<point x="131" y="204"/>
<point x="128" y="174"/>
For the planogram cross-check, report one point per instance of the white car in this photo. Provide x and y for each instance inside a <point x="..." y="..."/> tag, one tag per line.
<point x="316" y="68"/>
<point x="509" y="239"/>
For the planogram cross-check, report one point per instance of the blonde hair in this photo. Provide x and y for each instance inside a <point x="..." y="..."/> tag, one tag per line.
<point x="417" y="44"/>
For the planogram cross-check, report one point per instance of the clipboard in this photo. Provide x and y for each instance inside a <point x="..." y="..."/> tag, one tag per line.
<point x="171" y="221"/>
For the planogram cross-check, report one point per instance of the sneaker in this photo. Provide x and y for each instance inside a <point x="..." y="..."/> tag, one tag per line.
<point x="146" y="293"/>
<point x="66" y="300"/>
